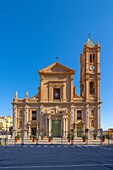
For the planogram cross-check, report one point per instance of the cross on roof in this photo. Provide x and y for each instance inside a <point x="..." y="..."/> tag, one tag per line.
<point x="89" y="35"/>
<point x="56" y="58"/>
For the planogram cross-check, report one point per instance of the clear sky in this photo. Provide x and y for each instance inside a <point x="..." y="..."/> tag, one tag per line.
<point x="34" y="32"/>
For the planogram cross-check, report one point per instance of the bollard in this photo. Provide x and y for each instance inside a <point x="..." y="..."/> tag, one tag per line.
<point x="87" y="135"/>
<point x="101" y="132"/>
<point x="22" y="141"/>
<point x="5" y="141"/>
<point x="0" y="141"/>
<point x="36" y="140"/>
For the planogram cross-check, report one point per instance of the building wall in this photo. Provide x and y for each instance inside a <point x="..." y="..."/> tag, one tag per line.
<point x="58" y="80"/>
<point x="6" y="122"/>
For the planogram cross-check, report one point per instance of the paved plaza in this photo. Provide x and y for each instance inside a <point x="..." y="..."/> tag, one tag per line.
<point x="62" y="157"/>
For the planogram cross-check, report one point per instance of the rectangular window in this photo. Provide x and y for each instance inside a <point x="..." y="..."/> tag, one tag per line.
<point x="33" y="115"/>
<point x="93" y="58"/>
<point x="90" y="58"/>
<point x="79" y="115"/>
<point x="56" y="93"/>
<point x="92" y="89"/>
<point x="20" y="124"/>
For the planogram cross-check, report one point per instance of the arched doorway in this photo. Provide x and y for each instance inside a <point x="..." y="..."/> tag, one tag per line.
<point x="56" y="128"/>
<point x="80" y="128"/>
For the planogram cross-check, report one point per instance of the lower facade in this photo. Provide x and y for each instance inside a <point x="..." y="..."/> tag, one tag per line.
<point x="56" y="121"/>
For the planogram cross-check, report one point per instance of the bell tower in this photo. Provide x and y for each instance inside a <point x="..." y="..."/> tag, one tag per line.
<point x="90" y="72"/>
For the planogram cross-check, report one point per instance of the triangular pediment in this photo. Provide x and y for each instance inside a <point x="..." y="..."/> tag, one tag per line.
<point x="56" y="68"/>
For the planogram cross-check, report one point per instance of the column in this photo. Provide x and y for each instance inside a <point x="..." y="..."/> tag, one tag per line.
<point x="41" y="119"/>
<point x="87" y="58"/>
<point x="25" y="121"/>
<point x="41" y="87"/>
<point x="87" y="89"/>
<point x="64" y="127"/>
<point x="72" y="84"/>
<point x="46" y="125"/>
<point x="29" y="130"/>
<point x="98" y="119"/>
<point x="98" y="59"/>
<point x="37" y="133"/>
<point x="87" y="119"/>
<point x="50" y="93"/>
<point x="71" y="117"/>
<point x="97" y="88"/>
<point x="14" y="120"/>
<point x="75" y="130"/>
<point x="49" y="125"/>
<point x="64" y="92"/>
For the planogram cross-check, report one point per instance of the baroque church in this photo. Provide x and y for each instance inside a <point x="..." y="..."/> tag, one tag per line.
<point x="57" y="109"/>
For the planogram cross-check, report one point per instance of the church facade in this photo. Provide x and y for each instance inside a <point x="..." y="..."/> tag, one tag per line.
<point x="57" y="109"/>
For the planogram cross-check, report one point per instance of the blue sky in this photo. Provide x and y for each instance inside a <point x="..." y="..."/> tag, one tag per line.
<point x="34" y="32"/>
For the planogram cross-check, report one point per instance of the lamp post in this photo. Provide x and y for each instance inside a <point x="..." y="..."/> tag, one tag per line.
<point x="22" y="139"/>
<point x="37" y="135"/>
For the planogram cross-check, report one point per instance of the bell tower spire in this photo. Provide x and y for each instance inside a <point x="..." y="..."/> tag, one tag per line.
<point x="90" y="82"/>
<point x="90" y="71"/>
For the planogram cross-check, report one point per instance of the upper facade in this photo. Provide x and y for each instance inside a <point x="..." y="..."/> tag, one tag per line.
<point x="56" y="83"/>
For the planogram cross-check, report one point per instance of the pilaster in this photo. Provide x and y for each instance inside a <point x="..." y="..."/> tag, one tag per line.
<point x="71" y="117"/>
<point x="26" y="121"/>
<point x="41" y="119"/>
<point x="14" y="120"/>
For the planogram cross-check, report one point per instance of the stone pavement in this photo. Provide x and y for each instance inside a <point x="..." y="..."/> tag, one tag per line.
<point x="61" y="157"/>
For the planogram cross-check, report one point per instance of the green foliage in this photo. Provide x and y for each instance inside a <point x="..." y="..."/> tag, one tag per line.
<point x="43" y="135"/>
<point x="103" y="136"/>
<point x="31" y="136"/>
<point x="94" y="135"/>
<point x="70" y="136"/>
<point x="18" y="136"/>
<point x="50" y="137"/>
<point x="84" y="137"/>
<point x="34" y="137"/>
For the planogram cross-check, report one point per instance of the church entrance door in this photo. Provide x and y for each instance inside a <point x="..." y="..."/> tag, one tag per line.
<point x="33" y="131"/>
<point x="56" y="128"/>
<point x="79" y="132"/>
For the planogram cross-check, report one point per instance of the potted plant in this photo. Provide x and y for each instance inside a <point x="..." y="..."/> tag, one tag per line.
<point x="43" y="136"/>
<point x="70" y="137"/>
<point x="94" y="135"/>
<point x="103" y="138"/>
<point x="17" y="138"/>
<point x="31" y="137"/>
<point x="50" y="138"/>
<point x="34" y="138"/>
<point x="84" y="137"/>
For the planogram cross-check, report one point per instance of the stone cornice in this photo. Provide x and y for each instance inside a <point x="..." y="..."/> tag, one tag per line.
<point x="57" y="73"/>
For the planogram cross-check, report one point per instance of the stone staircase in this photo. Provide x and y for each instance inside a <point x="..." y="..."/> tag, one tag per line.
<point x="77" y="141"/>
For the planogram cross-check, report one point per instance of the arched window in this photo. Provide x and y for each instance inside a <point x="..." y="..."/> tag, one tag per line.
<point x="20" y="125"/>
<point x="79" y="114"/>
<point x="20" y="113"/>
<point x="92" y="58"/>
<point x="92" y="123"/>
<point x="92" y="89"/>
<point x="56" y="94"/>
<point x="92" y="112"/>
<point x="33" y="115"/>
